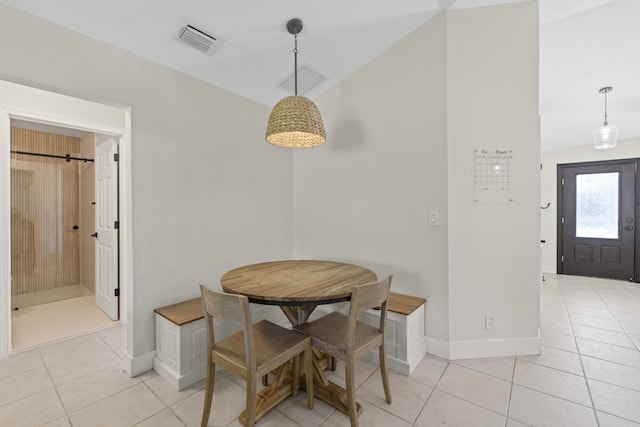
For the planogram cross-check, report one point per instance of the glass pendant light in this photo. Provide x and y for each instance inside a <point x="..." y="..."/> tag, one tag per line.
<point x="295" y="121"/>
<point x="605" y="136"/>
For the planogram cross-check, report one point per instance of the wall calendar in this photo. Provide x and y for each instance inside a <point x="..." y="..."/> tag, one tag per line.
<point x="493" y="176"/>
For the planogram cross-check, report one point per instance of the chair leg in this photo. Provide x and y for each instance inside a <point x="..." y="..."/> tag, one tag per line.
<point x="384" y="373"/>
<point x="211" y="376"/>
<point x="295" y="386"/>
<point x="250" y="410"/>
<point x="351" y="389"/>
<point x="308" y="375"/>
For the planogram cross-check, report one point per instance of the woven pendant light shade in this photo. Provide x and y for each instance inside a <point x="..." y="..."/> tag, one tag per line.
<point x="295" y="122"/>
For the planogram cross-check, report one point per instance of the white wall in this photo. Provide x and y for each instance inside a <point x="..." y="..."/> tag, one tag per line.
<point x="494" y="249"/>
<point x="402" y="131"/>
<point x="209" y="193"/>
<point x="364" y="196"/>
<point x="625" y="149"/>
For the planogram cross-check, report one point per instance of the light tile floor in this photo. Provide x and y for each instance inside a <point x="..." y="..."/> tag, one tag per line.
<point x="39" y="324"/>
<point x="587" y="375"/>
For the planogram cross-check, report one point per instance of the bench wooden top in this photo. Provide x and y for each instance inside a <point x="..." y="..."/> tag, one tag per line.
<point x="403" y="304"/>
<point x="189" y="311"/>
<point x="183" y="312"/>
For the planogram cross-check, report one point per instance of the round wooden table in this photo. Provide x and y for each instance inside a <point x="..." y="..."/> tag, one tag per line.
<point x="298" y="287"/>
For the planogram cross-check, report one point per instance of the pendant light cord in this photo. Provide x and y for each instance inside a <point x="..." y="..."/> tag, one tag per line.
<point x="605" y="108"/>
<point x="295" y="64"/>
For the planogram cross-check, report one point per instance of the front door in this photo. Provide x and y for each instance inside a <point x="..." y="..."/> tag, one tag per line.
<point x="107" y="283"/>
<point x="596" y="219"/>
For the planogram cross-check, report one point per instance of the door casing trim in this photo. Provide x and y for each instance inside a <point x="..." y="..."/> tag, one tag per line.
<point x="37" y="105"/>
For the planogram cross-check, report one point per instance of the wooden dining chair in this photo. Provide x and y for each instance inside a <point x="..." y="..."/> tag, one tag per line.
<point x="346" y="338"/>
<point x="252" y="352"/>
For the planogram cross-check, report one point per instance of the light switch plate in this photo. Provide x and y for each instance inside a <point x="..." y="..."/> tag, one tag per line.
<point x="434" y="218"/>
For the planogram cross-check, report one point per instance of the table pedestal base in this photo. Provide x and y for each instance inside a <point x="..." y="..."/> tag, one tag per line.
<point x="281" y="388"/>
<point x="267" y="399"/>
<point x="334" y="395"/>
<point x="270" y="396"/>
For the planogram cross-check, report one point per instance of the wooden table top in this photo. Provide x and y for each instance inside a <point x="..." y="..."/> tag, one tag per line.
<point x="296" y="282"/>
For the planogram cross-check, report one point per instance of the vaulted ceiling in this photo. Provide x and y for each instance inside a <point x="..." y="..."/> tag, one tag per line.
<point x="584" y="45"/>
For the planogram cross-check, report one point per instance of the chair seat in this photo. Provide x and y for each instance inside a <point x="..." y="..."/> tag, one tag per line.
<point x="273" y="345"/>
<point x="328" y="333"/>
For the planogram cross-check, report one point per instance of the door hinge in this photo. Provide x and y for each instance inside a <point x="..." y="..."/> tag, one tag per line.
<point x="116" y="292"/>
<point x="116" y="225"/>
<point x="562" y="258"/>
<point x="562" y="181"/>
<point x="116" y="157"/>
<point x="562" y="220"/>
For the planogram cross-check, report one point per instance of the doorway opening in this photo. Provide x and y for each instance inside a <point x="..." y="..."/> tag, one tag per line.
<point x="53" y="235"/>
<point x="597" y="211"/>
<point x="42" y="106"/>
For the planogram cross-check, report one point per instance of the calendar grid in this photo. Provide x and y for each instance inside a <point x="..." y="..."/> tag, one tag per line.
<point x="493" y="170"/>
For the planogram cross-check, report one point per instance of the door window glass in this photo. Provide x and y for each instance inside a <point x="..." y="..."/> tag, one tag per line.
<point x="597" y="205"/>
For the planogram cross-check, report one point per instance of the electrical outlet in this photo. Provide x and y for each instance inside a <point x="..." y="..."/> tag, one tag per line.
<point x="489" y="321"/>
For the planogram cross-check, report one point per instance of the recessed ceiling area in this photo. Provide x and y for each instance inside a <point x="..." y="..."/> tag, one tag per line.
<point x="584" y="45"/>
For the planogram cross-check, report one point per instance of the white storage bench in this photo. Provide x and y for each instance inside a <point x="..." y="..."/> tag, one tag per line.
<point x="406" y="341"/>
<point x="181" y="343"/>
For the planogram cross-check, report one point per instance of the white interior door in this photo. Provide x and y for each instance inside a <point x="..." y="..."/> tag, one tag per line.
<point x="107" y="282"/>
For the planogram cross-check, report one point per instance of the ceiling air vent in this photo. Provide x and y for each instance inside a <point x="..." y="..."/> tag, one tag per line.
<point x="308" y="78"/>
<point x="199" y="39"/>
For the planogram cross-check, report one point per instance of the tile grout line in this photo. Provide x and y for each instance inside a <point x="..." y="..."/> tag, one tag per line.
<point x="55" y="388"/>
<point x="434" y="388"/>
<point x="377" y="372"/>
<point x="473" y="403"/>
<point x="67" y="413"/>
<point x="584" y="373"/>
<point x="513" y="373"/>
<point x="614" y="316"/>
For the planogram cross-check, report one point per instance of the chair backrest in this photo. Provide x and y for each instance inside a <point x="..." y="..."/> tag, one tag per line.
<point x="230" y="308"/>
<point x="364" y="297"/>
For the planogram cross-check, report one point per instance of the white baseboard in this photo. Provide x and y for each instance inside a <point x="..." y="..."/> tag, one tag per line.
<point x="494" y="348"/>
<point x="549" y="269"/>
<point x="137" y="365"/>
<point x="437" y="347"/>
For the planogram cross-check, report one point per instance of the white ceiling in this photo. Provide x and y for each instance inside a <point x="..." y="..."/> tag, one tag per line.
<point x="584" y="45"/>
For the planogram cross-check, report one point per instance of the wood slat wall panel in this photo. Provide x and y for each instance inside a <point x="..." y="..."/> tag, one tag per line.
<point x="44" y="209"/>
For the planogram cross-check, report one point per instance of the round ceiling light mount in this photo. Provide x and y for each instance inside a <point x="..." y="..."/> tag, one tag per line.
<point x="606" y="89"/>
<point x="294" y="26"/>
